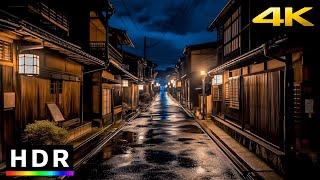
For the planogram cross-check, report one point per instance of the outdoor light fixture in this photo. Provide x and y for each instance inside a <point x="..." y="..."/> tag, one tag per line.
<point x="29" y="64"/>
<point x="140" y="87"/>
<point x="217" y="80"/>
<point x="157" y="84"/>
<point x="202" y="73"/>
<point x="125" y="83"/>
<point x="172" y="81"/>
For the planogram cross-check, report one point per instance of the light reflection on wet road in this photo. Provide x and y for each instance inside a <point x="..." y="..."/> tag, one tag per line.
<point x="167" y="146"/>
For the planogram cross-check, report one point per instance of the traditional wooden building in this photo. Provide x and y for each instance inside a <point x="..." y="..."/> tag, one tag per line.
<point x="56" y="62"/>
<point x="197" y="58"/>
<point x="41" y="72"/>
<point x="105" y="102"/>
<point x="263" y="90"/>
<point x="136" y="66"/>
<point x="149" y="77"/>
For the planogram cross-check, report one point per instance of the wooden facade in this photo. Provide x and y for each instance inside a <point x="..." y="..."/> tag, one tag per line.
<point x="79" y="69"/>
<point x="262" y="92"/>
<point x="197" y="58"/>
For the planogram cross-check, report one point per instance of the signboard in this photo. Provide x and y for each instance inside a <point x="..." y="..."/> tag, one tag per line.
<point x="9" y="100"/>
<point x="55" y="112"/>
<point x="308" y="106"/>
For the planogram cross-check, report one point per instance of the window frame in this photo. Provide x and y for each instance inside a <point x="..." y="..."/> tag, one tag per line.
<point x="232" y="32"/>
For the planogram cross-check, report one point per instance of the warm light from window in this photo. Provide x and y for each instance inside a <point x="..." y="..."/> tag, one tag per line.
<point x="125" y="83"/>
<point x="29" y="64"/>
<point x="140" y="87"/>
<point x="217" y="80"/>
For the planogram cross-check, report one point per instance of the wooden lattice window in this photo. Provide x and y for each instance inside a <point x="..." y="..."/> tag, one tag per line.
<point x="232" y="92"/>
<point x="217" y="93"/>
<point x="5" y="51"/>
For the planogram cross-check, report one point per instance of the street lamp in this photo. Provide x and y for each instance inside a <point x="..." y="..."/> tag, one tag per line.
<point x="203" y="75"/>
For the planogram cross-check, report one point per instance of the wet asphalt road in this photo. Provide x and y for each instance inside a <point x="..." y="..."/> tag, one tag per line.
<point x="167" y="146"/>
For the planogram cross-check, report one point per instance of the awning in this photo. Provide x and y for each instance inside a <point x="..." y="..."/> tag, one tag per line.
<point x="233" y="62"/>
<point x="247" y="56"/>
<point x="127" y="73"/>
<point x="49" y="40"/>
<point x="111" y="81"/>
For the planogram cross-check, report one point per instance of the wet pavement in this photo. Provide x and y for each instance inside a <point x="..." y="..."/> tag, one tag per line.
<point x="162" y="143"/>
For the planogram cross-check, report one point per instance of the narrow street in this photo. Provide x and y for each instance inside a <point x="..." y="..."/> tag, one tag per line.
<point x="162" y="143"/>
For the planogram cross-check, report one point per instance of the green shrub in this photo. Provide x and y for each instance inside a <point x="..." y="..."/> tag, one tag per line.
<point x="45" y="133"/>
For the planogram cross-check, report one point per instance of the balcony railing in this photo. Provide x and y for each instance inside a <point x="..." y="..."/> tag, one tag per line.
<point x="57" y="18"/>
<point x="98" y="49"/>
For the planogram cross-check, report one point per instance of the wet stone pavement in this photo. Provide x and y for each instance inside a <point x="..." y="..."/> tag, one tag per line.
<point x="162" y="143"/>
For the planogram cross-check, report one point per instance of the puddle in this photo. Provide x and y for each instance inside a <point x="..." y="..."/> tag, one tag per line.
<point x="184" y="139"/>
<point x="201" y="142"/>
<point x="154" y="141"/>
<point x="185" y="153"/>
<point x="159" y="157"/>
<point x="191" y="129"/>
<point x="142" y="126"/>
<point x="186" y="162"/>
<point x="149" y="134"/>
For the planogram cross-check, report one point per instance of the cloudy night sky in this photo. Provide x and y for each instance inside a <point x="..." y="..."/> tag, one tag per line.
<point x="169" y="25"/>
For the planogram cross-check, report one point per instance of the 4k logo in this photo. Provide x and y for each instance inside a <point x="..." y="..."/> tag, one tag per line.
<point x="290" y="16"/>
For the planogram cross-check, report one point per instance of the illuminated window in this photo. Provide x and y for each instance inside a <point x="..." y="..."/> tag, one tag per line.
<point x="5" y="51"/>
<point x="29" y="64"/>
<point x="217" y="80"/>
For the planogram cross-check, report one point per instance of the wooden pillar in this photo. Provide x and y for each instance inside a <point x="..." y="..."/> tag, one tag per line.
<point x="289" y="138"/>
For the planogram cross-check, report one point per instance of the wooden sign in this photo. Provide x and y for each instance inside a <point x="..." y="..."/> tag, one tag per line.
<point x="55" y="112"/>
<point x="9" y="100"/>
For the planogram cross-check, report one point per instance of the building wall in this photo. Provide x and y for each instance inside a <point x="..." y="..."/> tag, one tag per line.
<point x="97" y="29"/>
<point x="8" y="133"/>
<point x="203" y="60"/>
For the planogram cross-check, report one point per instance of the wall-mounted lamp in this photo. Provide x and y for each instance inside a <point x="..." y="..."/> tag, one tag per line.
<point x="125" y="83"/>
<point x="140" y="87"/>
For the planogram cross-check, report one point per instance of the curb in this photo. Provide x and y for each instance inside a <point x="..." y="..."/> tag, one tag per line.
<point x="246" y="171"/>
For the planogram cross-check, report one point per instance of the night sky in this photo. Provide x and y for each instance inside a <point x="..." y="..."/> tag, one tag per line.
<point x="169" y="25"/>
